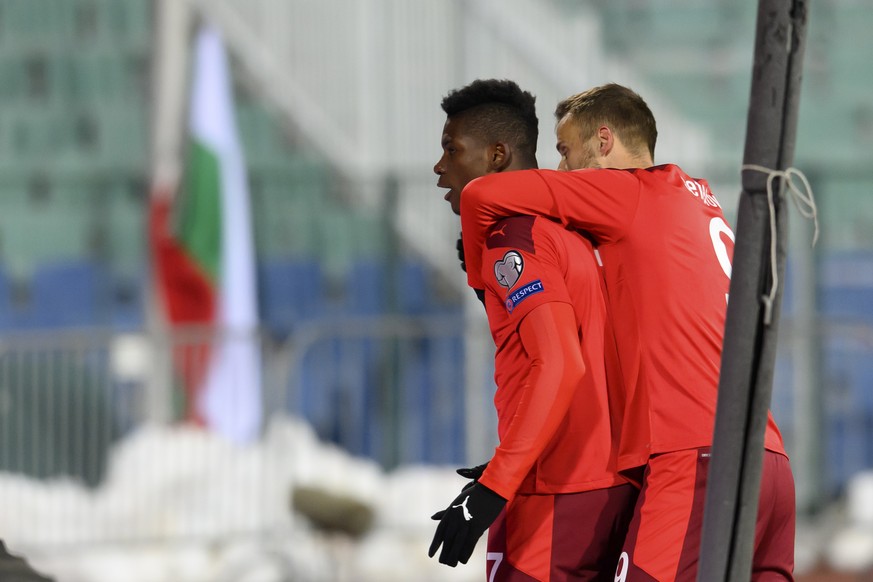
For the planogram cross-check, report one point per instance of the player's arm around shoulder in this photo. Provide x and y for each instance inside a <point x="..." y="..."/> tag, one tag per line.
<point x="488" y="199"/>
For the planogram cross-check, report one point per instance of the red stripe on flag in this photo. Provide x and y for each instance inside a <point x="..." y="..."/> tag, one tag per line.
<point x="186" y="291"/>
<point x="188" y="298"/>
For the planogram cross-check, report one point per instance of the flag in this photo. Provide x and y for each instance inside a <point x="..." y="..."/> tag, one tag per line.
<point x="204" y="260"/>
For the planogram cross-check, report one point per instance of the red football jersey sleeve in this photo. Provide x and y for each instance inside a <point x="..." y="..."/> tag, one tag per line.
<point x="555" y="425"/>
<point x="605" y="211"/>
<point x="666" y="250"/>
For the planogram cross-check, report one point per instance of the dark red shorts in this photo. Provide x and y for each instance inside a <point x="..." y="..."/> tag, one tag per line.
<point x="663" y="541"/>
<point x="560" y="538"/>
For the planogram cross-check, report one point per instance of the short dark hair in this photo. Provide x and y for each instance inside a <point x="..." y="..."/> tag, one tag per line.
<point x="617" y="107"/>
<point x="503" y="112"/>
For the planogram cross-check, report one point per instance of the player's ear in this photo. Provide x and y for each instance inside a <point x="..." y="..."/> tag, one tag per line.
<point x="500" y="157"/>
<point x="605" y="140"/>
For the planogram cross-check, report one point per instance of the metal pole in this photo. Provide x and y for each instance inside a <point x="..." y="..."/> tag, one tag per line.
<point x="172" y="21"/>
<point x="748" y="358"/>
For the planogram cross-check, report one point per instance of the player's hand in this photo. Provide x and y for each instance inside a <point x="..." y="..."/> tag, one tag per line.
<point x="460" y="247"/>
<point x="463" y="523"/>
<point x="473" y="472"/>
<point x="480" y="293"/>
<point x="467" y="473"/>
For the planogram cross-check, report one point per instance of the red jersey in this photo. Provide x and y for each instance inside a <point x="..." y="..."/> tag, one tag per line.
<point x="666" y="250"/>
<point x="528" y="262"/>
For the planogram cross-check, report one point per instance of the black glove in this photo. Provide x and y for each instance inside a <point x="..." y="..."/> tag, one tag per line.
<point x="472" y="472"/>
<point x="467" y="473"/>
<point x="463" y="523"/>
<point x="460" y="246"/>
<point x="480" y="293"/>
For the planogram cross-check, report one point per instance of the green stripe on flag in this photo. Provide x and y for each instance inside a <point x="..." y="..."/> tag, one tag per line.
<point x="200" y="230"/>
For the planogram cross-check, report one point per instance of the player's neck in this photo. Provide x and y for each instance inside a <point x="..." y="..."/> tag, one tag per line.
<point x="625" y="161"/>
<point x="622" y="158"/>
<point x="521" y="166"/>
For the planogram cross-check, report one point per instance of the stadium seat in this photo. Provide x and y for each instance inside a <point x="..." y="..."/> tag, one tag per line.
<point x="338" y="388"/>
<point x="127" y="23"/>
<point x="125" y="230"/>
<point x="290" y="291"/>
<point x="13" y="79"/>
<point x="6" y="300"/>
<point x="431" y="386"/>
<point x="122" y="138"/>
<point x="127" y="304"/>
<point x="50" y="233"/>
<point x="372" y="288"/>
<point x="366" y="288"/>
<point x="286" y="219"/>
<point x="68" y="294"/>
<point x="846" y="286"/>
<point x="413" y="288"/>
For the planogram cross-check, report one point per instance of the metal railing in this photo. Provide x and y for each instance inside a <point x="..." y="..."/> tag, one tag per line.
<point x="390" y="388"/>
<point x="93" y="447"/>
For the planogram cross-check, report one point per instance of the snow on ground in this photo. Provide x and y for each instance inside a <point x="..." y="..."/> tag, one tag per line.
<point x="181" y="505"/>
<point x="851" y="548"/>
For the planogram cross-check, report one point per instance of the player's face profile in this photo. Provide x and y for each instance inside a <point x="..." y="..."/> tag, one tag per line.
<point x="577" y="152"/>
<point x="464" y="158"/>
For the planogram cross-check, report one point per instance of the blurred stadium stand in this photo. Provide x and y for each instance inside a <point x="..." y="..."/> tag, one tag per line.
<point x="74" y="115"/>
<point x="845" y="333"/>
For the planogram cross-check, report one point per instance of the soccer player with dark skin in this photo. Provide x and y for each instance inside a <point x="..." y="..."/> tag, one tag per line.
<point x="666" y="249"/>
<point x="551" y="497"/>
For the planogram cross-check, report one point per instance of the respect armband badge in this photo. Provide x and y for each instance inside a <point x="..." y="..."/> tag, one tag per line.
<point x="522" y="293"/>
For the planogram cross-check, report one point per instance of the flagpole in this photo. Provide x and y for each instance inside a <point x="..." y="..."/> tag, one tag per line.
<point x="170" y="74"/>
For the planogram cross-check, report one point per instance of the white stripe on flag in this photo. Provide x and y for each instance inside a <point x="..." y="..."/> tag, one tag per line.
<point x="231" y="399"/>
